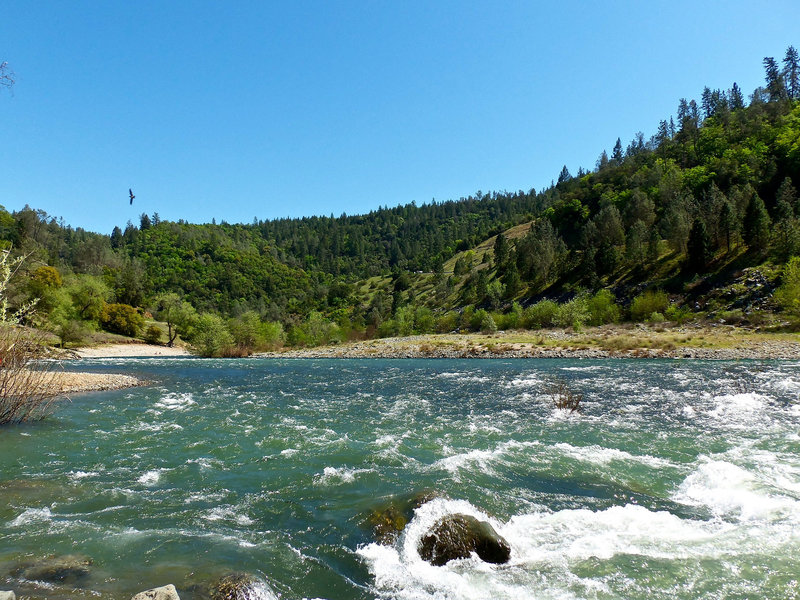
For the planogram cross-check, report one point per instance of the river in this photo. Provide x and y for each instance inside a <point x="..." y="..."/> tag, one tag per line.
<point x="677" y="480"/>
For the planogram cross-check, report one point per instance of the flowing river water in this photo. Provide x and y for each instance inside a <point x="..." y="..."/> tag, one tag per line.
<point x="678" y="480"/>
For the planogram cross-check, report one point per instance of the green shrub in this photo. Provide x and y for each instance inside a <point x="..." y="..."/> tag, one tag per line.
<point x="122" y="319"/>
<point x="542" y="314"/>
<point x="678" y="314"/>
<point x="272" y="335"/>
<point x="487" y="324"/>
<point x="478" y="317"/>
<point x="447" y="322"/>
<point x="573" y="313"/>
<point x="787" y="296"/>
<point x="212" y="338"/>
<point x="656" y="317"/>
<point x="602" y="308"/>
<point x="153" y="334"/>
<point x="644" y="305"/>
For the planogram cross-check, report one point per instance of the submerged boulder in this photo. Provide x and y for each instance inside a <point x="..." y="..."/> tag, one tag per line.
<point x="389" y="520"/>
<point x="67" y="568"/>
<point x="167" y="592"/>
<point x="233" y="586"/>
<point x="458" y="536"/>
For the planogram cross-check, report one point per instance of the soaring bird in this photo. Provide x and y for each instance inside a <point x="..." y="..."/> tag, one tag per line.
<point x="131" y="194"/>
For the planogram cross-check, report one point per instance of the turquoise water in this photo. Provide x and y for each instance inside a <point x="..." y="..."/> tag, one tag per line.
<point x="679" y="480"/>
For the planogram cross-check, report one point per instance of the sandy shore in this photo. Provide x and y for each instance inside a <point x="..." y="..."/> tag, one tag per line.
<point x="129" y="351"/>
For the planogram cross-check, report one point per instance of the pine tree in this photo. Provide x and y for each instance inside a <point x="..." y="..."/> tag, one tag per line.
<point x="776" y="87"/>
<point x="736" y="97"/>
<point x="727" y="223"/>
<point x="787" y="193"/>
<point x="791" y="72"/>
<point x="501" y="252"/>
<point x="564" y="175"/>
<point x="698" y="247"/>
<point x="616" y="153"/>
<point x="756" y="224"/>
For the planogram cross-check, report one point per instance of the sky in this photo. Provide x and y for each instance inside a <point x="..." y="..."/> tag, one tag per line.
<point x="240" y="110"/>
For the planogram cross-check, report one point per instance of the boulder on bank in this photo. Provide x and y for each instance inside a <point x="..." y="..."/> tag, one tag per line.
<point x="167" y="592"/>
<point x="8" y="596"/>
<point x="458" y="536"/>
<point x="67" y="568"/>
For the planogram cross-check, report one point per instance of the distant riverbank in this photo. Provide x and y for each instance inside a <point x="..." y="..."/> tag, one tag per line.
<point x="699" y="342"/>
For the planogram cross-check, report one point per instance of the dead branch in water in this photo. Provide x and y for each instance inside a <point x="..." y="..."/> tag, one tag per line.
<point x="563" y="396"/>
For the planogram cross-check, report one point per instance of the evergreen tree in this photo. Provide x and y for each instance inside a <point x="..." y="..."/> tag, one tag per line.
<point x="776" y="87"/>
<point x="501" y="252"/>
<point x="736" y="97"/>
<point x="616" y="153"/>
<point x="756" y="224"/>
<point x="564" y="175"/>
<point x="602" y="161"/>
<point x="791" y="72"/>
<point x="116" y="237"/>
<point x="788" y="194"/>
<point x="698" y="247"/>
<point x="727" y="224"/>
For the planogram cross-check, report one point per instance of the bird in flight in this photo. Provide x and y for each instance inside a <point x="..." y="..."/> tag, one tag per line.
<point x="131" y="195"/>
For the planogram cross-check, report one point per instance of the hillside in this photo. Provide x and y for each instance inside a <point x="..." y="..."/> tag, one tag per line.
<point x="695" y="214"/>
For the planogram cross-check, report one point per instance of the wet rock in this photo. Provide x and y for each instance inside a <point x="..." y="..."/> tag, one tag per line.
<point x="387" y="523"/>
<point x="233" y="586"/>
<point x="458" y="536"/>
<point x="8" y="596"/>
<point x="167" y="592"/>
<point x="67" y="568"/>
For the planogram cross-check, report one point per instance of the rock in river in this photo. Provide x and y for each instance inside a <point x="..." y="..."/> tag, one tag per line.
<point x="458" y="536"/>
<point x="167" y="592"/>
<point x="67" y="568"/>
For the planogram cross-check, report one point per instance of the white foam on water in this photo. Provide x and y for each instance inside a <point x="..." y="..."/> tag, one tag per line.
<point x="524" y="382"/>
<point x="77" y="475"/>
<point x="604" y="456"/>
<point x="289" y="452"/>
<point x="542" y="543"/>
<point x="738" y="410"/>
<point x="150" y="477"/>
<point x="227" y="513"/>
<point x="258" y="591"/>
<point x="337" y="475"/>
<point x="31" y="515"/>
<point x="734" y="492"/>
<point x="206" y="462"/>
<point x="478" y="460"/>
<point x="175" y="401"/>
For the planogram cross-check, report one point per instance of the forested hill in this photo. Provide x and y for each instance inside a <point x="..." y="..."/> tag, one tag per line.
<point x="712" y="191"/>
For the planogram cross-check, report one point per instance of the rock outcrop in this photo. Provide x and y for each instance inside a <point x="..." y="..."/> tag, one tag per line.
<point x="458" y="536"/>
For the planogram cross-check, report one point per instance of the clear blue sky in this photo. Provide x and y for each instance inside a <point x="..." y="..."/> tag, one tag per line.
<point x="235" y="110"/>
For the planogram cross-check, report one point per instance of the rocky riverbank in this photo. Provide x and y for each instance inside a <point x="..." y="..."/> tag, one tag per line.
<point x="705" y="342"/>
<point x="61" y="383"/>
